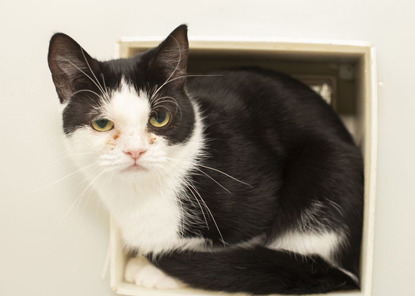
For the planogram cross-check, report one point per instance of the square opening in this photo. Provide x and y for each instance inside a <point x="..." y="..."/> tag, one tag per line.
<point x="345" y="74"/>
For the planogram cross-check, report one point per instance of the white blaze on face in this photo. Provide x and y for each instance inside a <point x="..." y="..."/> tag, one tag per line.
<point x="129" y="110"/>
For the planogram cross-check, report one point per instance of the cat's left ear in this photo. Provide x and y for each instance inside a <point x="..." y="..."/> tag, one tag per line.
<point x="71" y="66"/>
<point x="171" y="55"/>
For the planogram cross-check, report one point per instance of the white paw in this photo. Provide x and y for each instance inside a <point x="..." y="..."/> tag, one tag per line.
<point x="144" y="274"/>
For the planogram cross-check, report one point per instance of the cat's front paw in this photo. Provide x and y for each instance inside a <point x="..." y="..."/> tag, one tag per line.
<point x="144" y="274"/>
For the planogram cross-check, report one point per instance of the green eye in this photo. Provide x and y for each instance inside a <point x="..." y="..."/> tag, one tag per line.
<point x="160" y="119"/>
<point x="102" y="125"/>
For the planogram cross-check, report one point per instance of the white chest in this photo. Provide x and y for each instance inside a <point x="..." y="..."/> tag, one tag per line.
<point x="153" y="226"/>
<point x="151" y="221"/>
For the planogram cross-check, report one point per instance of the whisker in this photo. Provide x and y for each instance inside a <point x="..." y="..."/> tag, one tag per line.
<point x="210" y="213"/>
<point x="66" y="156"/>
<point x="88" y="198"/>
<point x="83" y="193"/>
<point x="182" y="222"/>
<point x="85" y="90"/>
<point x="185" y="76"/>
<point x="175" y="69"/>
<point x="107" y="92"/>
<point x="76" y="202"/>
<point x="188" y="182"/>
<point x="81" y="214"/>
<point x="64" y="178"/>
<point x="214" y="180"/>
<point x="227" y="175"/>
<point x="83" y="72"/>
<point x="162" y="106"/>
<point x="93" y="74"/>
<point x="192" y="190"/>
<point x="161" y="100"/>
<point x="105" y="85"/>
<point x="210" y="168"/>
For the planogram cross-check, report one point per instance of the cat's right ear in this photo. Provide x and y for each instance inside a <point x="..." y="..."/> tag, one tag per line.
<point x="71" y="66"/>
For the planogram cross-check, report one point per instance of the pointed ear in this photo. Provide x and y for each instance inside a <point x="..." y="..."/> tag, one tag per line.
<point x="71" y="66"/>
<point x="172" y="54"/>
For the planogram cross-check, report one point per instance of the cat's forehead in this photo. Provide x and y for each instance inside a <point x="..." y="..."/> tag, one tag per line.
<point x="127" y="106"/>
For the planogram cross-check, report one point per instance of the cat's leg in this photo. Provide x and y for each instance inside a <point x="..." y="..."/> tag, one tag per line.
<point x="321" y="203"/>
<point x="258" y="271"/>
<point x="143" y="273"/>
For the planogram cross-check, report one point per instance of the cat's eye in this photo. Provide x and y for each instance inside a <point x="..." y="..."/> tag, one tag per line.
<point x="102" y="125"/>
<point x="160" y="119"/>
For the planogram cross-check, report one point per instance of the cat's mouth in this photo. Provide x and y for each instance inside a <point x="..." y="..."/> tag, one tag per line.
<point x="135" y="168"/>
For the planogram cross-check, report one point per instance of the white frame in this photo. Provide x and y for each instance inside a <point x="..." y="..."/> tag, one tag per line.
<point x="364" y="54"/>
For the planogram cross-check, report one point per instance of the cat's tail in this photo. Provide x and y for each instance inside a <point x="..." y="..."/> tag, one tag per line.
<point x="257" y="271"/>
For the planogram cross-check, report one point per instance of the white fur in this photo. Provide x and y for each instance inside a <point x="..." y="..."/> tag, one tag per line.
<point x="248" y="244"/>
<point x="351" y="275"/>
<point x="324" y="243"/>
<point x="143" y="273"/>
<point x="144" y="202"/>
<point x="311" y="236"/>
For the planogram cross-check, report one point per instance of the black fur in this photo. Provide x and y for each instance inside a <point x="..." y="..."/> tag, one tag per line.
<point x="281" y="138"/>
<point x="258" y="270"/>
<point x="277" y="135"/>
<point x="265" y="129"/>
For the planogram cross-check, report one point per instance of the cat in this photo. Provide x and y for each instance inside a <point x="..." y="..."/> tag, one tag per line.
<point x="241" y="180"/>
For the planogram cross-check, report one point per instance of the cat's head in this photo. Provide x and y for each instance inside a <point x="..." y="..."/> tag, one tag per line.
<point x="127" y="117"/>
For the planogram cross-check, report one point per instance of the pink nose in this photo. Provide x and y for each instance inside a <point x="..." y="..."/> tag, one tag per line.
<point x="135" y="154"/>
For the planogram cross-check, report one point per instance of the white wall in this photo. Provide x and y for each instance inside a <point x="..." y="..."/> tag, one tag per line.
<point x="41" y="256"/>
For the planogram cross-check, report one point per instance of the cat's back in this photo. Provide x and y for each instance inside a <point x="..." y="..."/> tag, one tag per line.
<point x="253" y="96"/>
<point x="248" y="84"/>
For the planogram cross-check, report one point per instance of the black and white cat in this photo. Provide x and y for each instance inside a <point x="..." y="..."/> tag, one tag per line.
<point x="244" y="180"/>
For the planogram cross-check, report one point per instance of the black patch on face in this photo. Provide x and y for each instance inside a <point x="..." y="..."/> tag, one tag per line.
<point x="84" y="83"/>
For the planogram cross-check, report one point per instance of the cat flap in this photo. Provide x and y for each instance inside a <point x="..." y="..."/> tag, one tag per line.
<point x="71" y="66"/>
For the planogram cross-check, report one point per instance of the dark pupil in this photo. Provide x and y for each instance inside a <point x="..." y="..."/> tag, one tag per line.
<point x="160" y="116"/>
<point x="102" y="123"/>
